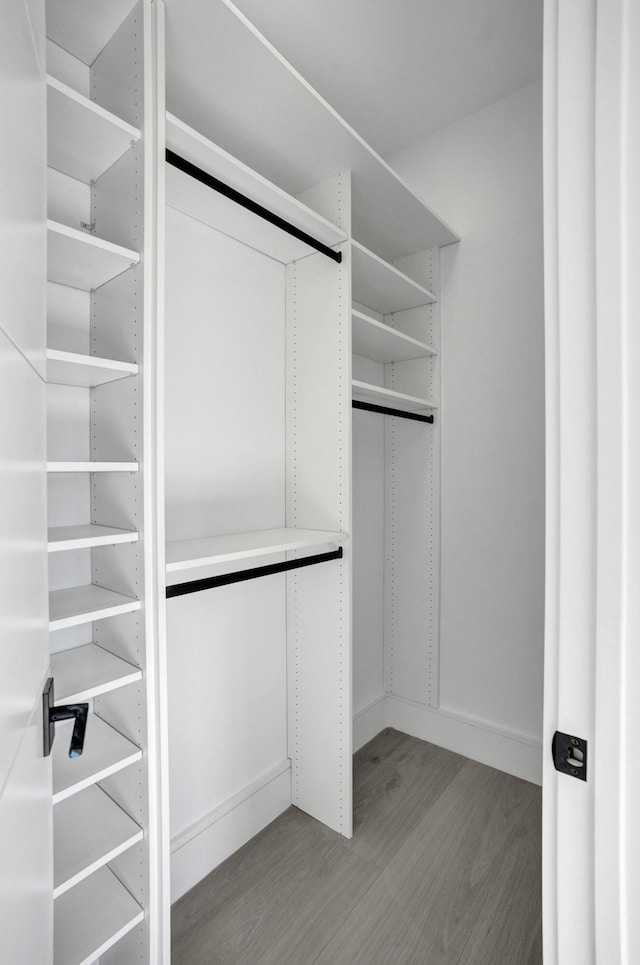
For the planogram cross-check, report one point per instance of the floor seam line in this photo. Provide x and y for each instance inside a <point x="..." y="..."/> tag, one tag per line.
<point x="348" y="916"/>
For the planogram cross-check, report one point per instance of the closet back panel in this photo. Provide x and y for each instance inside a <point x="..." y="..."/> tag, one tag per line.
<point x="225" y="472"/>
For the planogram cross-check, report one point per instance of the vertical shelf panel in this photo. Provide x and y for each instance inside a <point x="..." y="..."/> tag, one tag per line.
<point x="318" y="487"/>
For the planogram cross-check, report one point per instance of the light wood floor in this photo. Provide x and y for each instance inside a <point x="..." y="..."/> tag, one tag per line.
<point x="443" y="869"/>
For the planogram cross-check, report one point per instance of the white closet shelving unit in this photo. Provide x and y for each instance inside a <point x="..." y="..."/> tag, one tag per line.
<point x="102" y="190"/>
<point x="379" y="304"/>
<point x="316" y="413"/>
<point x="356" y="256"/>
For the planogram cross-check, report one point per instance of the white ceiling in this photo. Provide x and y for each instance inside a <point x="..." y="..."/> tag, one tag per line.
<point x="398" y="70"/>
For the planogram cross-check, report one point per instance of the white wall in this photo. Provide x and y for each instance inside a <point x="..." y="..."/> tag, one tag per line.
<point x="484" y="176"/>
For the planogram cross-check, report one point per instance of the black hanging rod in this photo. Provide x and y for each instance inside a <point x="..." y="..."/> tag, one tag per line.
<point x="205" y="178"/>
<point x="195" y="586"/>
<point x="415" y="416"/>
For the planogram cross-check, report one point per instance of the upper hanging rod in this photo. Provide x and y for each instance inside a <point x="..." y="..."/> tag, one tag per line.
<point x="195" y="586"/>
<point x="205" y="178"/>
<point x="400" y="413"/>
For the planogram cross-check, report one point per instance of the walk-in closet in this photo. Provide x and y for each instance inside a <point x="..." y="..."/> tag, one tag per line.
<point x="294" y="476"/>
<point x="302" y="420"/>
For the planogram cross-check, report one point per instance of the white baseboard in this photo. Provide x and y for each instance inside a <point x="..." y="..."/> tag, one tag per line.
<point x="200" y="848"/>
<point x="369" y="721"/>
<point x="505" y="750"/>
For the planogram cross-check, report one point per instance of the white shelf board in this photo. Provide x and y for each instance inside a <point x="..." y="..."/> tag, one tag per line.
<point x="88" y="671"/>
<point x="278" y="124"/>
<point x="89" y="534"/>
<point x="82" y="604"/>
<point x="91" y="918"/>
<point x="80" y="260"/>
<point x="92" y="466"/>
<point x="375" y="340"/>
<point x="87" y="371"/>
<point x="105" y="752"/>
<point x="83" y="139"/>
<point x="195" y="199"/>
<point x="365" y="392"/>
<point x="379" y="285"/>
<point x="185" y="554"/>
<point x="89" y="829"/>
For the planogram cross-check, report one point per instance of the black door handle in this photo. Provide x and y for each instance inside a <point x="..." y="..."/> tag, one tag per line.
<point x="51" y="715"/>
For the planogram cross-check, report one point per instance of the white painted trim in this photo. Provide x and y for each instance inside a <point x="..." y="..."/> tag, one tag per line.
<point x="369" y="721"/>
<point x="572" y="441"/>
<point x="507" y="750"/>
<point x="616" y="785"/>
<point x="189" y="833"/>
<point x="208" y="842"/>
<point x="153" y="482"/>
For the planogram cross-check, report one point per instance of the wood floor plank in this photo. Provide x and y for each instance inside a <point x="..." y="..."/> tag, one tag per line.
<point x="425" y="904"/>
<point x="510" y="928"/>
<point x="443" y="869"/>
<point x="277" y="900"/>
<point x="396" y="781"/>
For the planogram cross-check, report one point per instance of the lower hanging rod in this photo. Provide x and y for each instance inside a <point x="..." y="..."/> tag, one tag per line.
<point x="400" y="413"/>
<point x="208" y="583"/>
<point x="208" y="179"/>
